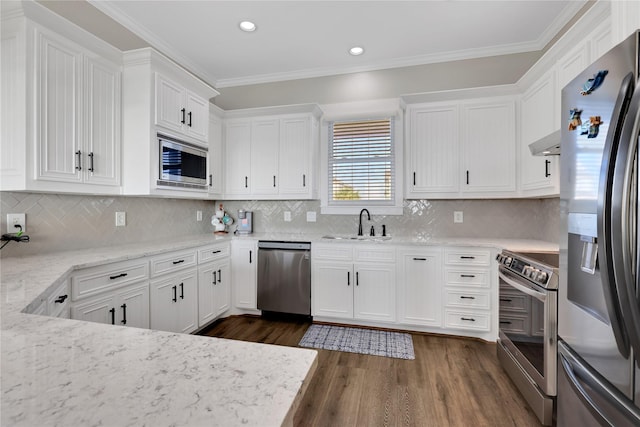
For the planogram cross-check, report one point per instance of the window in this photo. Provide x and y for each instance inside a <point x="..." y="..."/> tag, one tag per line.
<point x="361" y="166"/>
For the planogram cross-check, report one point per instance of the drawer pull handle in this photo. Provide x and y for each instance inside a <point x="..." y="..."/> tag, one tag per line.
<point x="117" y="276"/>
<point x="506" y="299"/>
<point x="465" y="297"/>
<point x="467" y="257"/>
<point x="178" y="262"/>
<point x="505" y="322"/>
<point x="468" y="319"/>
<point x="216" y="252"/>
<point x="419" y="259"/>
<point x="468" y="275"/>
<point x="61" y="299"/>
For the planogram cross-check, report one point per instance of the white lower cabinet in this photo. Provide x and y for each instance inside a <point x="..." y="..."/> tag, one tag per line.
<point x="420" y="287"/>
<point x="244" y="268"/>
<point x="214" y="291"/>
<point x="128" y="306"/>
<point x="174" y="302"/>
<point x="353" y="282"/>
<point x="469" y="290"/>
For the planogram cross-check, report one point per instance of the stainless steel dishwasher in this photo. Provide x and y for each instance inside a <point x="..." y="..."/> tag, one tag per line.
<point x="284" y="277"/>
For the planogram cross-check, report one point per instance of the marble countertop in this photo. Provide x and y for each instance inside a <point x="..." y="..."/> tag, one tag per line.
<point x="68" y="372"/>
<point x="61" y="372"/>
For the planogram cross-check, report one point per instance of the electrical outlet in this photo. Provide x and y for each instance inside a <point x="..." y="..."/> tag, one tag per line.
<point x="121" y="219"/>
<point x="14" y="220"/>
<point x="287" y="216"/>
<point x="458" y="217"/>
<point x="311" y="216"/>
<point x="198" y="215"/>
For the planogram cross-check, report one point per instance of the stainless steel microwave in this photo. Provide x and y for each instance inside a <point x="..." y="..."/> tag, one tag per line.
<point x="182" y="164"/>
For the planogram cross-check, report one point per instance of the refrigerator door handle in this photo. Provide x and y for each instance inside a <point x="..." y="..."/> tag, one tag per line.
<point x="606" y="216"/>
<point x="625" y="183"/>
<point x="586" y="384"/>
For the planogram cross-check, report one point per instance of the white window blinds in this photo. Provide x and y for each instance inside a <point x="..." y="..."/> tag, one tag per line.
<point x="361" y="162"/>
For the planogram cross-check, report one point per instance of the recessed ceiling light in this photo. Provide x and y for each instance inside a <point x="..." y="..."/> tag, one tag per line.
<point x="247" y="26"/>
<point x="356" y="50"/>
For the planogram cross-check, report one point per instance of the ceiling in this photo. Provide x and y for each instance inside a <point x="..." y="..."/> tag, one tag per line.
<point x="300" y="39"/>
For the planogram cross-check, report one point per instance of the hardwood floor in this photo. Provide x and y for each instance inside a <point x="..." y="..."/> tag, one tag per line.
<point x="452" y="381"/>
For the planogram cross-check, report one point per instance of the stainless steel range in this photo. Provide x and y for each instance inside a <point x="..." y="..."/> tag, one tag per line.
<point x="528" y="329"/>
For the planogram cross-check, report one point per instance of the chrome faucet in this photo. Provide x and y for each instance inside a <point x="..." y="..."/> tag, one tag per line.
<point x="360" y="223"/>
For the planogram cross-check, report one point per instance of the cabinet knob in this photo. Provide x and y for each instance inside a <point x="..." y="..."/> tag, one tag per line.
<point x="61" y="299"/>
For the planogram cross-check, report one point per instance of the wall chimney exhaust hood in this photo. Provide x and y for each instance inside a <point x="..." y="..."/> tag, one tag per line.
<point x="547" y="146"/>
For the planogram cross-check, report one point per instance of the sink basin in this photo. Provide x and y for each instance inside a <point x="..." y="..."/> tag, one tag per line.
<point x="357" y="238"/>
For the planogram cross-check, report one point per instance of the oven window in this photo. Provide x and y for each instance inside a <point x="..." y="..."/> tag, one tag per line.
<point x="522" y="321"/>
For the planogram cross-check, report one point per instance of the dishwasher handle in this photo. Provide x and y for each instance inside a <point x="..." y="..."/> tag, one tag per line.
<point x="281" y="244"/>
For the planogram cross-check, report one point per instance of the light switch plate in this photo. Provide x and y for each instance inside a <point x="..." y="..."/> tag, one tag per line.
<point x="287" y="216"/>
<point x="458" y="217"/>
<point x="311" y="216"/>
<point x="198" y="215"/>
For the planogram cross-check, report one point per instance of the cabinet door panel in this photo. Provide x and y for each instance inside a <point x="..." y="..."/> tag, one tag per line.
<point x="206" y="298"/>
<point x="222" y="289"/>
<point x="164" y="305"/>
<point x="244" y="263"/>
<point x="238" y="155"/>
<point x="136" y="312"/>
<point x="169" y="104"/>
<point x="96" y="310"/>
<point x="197" y="123"/>
<point x="332" y="289"/>
<point x="433" y="150"/>
<point x="187" y="283"/>
<point x="103" y="123"/>
<point x="420" y="287"/>
<point x="374" y="293"/>
<point x="294" y="156"/>
<point x="488" y="144"/>
<point x="58" y="121"/>
<point x="216" y="159"/>
<point x="265" y="140"/>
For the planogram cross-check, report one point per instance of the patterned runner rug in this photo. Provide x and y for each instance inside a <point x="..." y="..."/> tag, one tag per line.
<point x="356" y="340"/>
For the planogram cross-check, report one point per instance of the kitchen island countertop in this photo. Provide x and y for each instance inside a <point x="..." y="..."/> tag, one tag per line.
<point x="69" y="372"/>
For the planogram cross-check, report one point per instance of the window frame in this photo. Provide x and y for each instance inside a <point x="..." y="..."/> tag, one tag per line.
<point x="395" y="207"/>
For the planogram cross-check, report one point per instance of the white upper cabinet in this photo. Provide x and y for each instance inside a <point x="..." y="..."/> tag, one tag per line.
<point x="462" y="149"/>
<point x="65" y="136"/>
<point x="432" y="150"/>
<point x="539" y="117"/>
<point x="488" y="143"/>
<point x="181" y="110"/>
<point x="271" y="156"/>
<point x="159" y="97"/>
<point x="216" y="154"/>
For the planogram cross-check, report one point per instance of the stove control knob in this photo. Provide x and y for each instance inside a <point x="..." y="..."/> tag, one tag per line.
<point x="526" y="271"/>
<point x="507" y="260"/>
<point x="534" y="273"/>
<point x="542" y="277"/>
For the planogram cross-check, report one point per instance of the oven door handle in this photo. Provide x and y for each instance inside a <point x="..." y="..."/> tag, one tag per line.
<point x="542" y="296"/>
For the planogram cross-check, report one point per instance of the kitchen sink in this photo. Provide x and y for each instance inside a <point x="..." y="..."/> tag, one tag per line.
<point x="358" y="238"/>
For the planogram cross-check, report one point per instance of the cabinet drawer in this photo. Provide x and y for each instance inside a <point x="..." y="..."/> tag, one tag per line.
<point x="173" y="261"/>
<point x="374" y="253"/>
<point x="212" y="253"/>
<point x="336" y="251"/>
<point x="92" y="281"/>
<point x="472" y="320"/>
<point x="462" y="299"/>
<point x="460" y="256"/>
<point x="58" y="300"/>
<point x="515" y="324"/>
<point x="517" y="303"/>
<point x="466" y="277"/>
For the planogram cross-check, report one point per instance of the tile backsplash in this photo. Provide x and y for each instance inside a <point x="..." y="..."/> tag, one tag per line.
<point x="69" y="222"/>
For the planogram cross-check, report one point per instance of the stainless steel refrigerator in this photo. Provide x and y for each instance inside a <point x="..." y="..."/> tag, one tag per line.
<point x="598" y="305"/>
